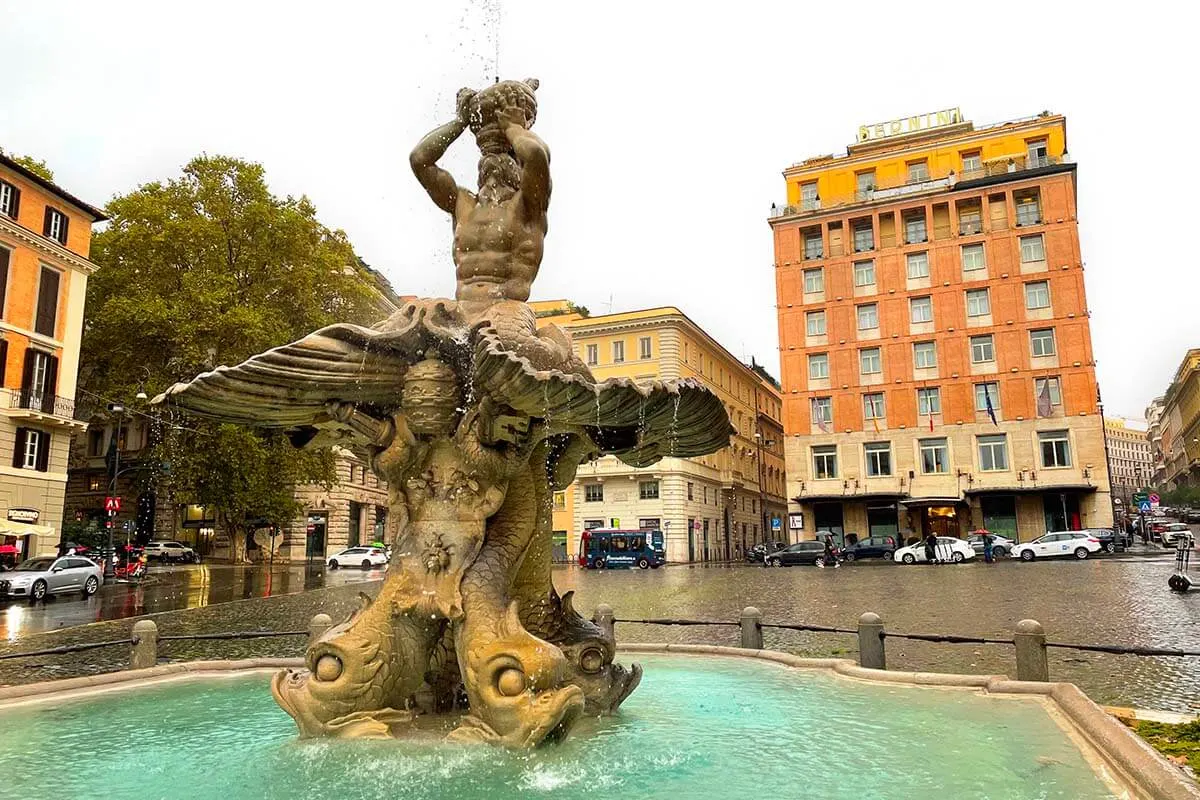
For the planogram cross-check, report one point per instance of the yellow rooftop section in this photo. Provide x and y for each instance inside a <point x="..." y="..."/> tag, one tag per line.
<point x="927" y="152"/>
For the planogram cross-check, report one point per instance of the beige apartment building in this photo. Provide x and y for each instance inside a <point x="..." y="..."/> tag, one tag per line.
<point x="1131" y="462"/>
<point x="709" y="508"/>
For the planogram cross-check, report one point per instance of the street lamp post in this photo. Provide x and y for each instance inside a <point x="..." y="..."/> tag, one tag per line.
<point x="119" y="410"/>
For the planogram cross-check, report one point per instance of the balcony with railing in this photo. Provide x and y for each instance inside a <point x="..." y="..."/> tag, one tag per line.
<point x="891" y="190"/>
<point x="47" y="407"/>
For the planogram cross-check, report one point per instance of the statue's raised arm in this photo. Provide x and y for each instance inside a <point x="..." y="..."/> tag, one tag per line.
<point x="439" y="183"/>
<point x="533" y="157"/>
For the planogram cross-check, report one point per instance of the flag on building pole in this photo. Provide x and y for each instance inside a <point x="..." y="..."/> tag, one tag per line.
<point x="819" y="413"/>
<point x="1045" y="406"/>
<point x="875" y="422"/>
<point x="988" y="399"/>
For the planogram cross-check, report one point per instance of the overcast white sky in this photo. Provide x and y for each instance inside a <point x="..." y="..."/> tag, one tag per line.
<point x="669" y="125"/>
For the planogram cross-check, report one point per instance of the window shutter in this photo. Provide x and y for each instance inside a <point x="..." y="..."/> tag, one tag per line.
<point x="66" y="226"/>
<point x="19" y="448"/>
<point x="3" y="360"/>
<point x="46" y="221"/>
<point x="3" y="277"/>
<point x="15" y="206"/>
<point x="51" y="384"/>
<point x="47" y="303"/>
<point x="27" y="374"/>
<point x="43" y="451"/>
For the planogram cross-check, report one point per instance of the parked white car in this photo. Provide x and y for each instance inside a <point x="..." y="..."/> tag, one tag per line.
<point x="1079" y="544"/>
<point x="1172" y="532"/>
<point x="35" y="578"/>
<point x="948" y="549"/>
<point x="365" y="557"/>
<point x="171" y="551"/>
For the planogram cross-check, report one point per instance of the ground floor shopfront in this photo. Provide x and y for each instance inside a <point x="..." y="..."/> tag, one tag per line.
<point x="1020" y="516"/>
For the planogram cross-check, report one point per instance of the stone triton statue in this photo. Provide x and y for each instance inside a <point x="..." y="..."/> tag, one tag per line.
<point x="474" y="416"/>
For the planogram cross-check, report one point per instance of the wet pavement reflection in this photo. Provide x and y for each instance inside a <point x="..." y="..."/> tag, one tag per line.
<point x="170" y="588"/>
<point x="1115" y="600"/>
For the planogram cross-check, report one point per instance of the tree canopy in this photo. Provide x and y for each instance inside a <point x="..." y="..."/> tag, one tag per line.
<point x="34" y="165"/>
<point x="209" y="268"/>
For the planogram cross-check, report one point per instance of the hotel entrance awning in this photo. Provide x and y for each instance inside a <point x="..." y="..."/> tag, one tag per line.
<point x="1026" y="489"/>
<point x="922" y="502"/>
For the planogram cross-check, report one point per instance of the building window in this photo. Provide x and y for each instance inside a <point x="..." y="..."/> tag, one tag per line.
<point x="818" y="366"/>
<point x="864" y="273"/>
<point x="914" y="229"/>
<point x="618" y="352"/>
<point x="993" y="453"/>
<point x="808" y="195"/>
<point x="815" y="323"/>
<point x="1041" y="342"/>
<point x="825" y="461"/>
<point x="1029" y="210"/>
<point x="47" y="302"/>
<point x="560" y="501"/>
<point x="918" y="171"/>
<point x="10" y="199"/>
<point x="593" y="355"/>
<point x="55" y="225"/>
<point x="1048" y="393"/>
<point x="985" y="392"/>
<point x="644" y="347"/>
<point x="865" y="181"/>
<point x="593" y="492"/>
<point x="813" y="246"/>
<point x="1038" y="152"/>
<point x="869" y="361"/>
<point x="814" y="280"/>
<point x="879" y="459"/>
<point x="868" y="316"/>
<point x="1032" y="249"/>
<point x="95" y="484"/>
<point x="918" y="265"/>
<point x="690" y="490"/>
<point x="979" y="303"/>
<point x="924" y="355"/>
<point x="648" y="490"/>
<point x="864" y="238"/>
<point x="1056" y="449"/>
<point x="972" y="163"/>
<point x="31" y="449"/>
<point x="920" y="309"/>
<point x="822" y="410"/>
<point x="873" y="407"/>
<point x="1037" y="295"/>
<point x="972" y="257"/>
<point x="935" y="456"/>
<point x="929" y="401"/>
<point x="982" y="349"/>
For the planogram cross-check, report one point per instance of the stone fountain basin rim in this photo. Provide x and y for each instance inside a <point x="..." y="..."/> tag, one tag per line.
<point x="1121" y="758"/>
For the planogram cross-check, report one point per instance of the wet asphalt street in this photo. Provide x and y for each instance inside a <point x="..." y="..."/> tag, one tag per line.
<point x="1111" y="600"/>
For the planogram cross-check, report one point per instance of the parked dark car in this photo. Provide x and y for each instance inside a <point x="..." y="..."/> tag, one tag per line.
<point x="799" y="553"/>
<point x="871" y="547"/>
<point x="1108" y="541"/>
<point x="1189" y="515"/>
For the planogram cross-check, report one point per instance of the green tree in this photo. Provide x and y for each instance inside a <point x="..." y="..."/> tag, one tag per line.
<point x="32" y="164"/>
<point x="210" y="268"/>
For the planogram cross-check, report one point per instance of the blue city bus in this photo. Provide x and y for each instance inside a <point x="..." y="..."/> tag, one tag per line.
<point x="611" y="548"/>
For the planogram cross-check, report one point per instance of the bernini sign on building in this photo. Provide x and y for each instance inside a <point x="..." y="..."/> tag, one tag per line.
<point x="899" y="127"/>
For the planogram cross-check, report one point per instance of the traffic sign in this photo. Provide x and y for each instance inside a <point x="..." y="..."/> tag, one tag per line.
<point x="776" y="524"/>
<point x="1138" y="497"/>
<point x="112" y="504"/>
<point x="1144" y="506"/>
<point x="1153" y="500"/>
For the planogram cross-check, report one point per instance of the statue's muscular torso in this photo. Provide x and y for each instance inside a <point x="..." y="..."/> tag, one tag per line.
<point x="497" y="248"/>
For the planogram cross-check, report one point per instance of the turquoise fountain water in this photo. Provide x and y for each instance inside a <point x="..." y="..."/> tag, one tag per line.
<point x="703" y="727"/>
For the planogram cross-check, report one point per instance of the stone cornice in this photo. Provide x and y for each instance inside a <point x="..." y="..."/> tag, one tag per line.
<point x="46" y="248"/>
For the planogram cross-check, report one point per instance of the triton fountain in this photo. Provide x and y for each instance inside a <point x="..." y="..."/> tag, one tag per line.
<point x="474" y="416"/>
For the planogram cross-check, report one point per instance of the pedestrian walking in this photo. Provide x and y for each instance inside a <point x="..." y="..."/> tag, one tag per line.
<point x="988" y="539"/>
<point x="931" y="548"/>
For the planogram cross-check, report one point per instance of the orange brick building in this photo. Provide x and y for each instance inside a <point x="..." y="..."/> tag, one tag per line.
<point x="929" y="280"/>
<point x="45" y="236"/>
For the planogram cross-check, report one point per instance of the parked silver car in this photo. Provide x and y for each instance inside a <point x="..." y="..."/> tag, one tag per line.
<point x="37" y="577"/>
